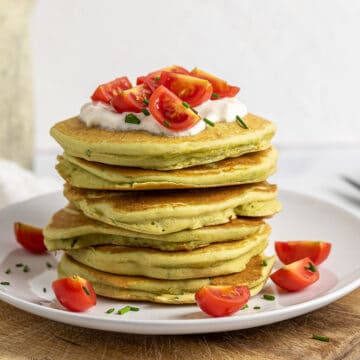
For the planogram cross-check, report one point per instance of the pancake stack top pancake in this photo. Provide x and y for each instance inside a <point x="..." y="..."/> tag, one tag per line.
<point x="157" y="213"/>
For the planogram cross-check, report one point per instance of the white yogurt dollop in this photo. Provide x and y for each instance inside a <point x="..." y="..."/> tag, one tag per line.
<point x="104" y="116"/>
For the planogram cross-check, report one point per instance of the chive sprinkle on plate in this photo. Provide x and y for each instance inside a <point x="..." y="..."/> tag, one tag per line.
<point x="209" y="122"/>
<point x="146" y="112"/>
<point x="110" y="311"/>
<point x="269" y="297"/>
<point x="19" y="265"/>
<point x="132" y="119"/>
<point x="124" y="310"/>
<point x="8" y="271"/>
<point x="241" y="122"/>
<point x="26" y="268"/>
<point x="4" y="283"/>
<point x="48" y="265"/>
<point x="321" y="338"/>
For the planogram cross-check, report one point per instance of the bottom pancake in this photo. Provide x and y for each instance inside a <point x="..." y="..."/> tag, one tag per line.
<point x="136" y="288"/>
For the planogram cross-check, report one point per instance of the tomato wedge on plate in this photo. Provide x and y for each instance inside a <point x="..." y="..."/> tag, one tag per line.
<point x="131" y="100"/>
<point x="188" y="88"/>
<point x="74" y="293"/>
<point x="29" y="237"/>
<point x="290" y="251"/>
<point x="222" y="300"/>
<point x="152" y="80"/>
<point x="169" y="110"/>
<point x="296" y="276"/>
<point x="220" y="87"/>
<point x="106" y="92"/>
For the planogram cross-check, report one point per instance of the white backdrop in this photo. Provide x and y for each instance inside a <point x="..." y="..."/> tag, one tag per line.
<point x="297" y="62"/>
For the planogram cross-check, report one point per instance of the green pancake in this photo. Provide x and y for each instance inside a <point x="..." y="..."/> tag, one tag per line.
<point x="145" y="150"/>
<point x="248" y="168"/>
<point x="213" y="260"/>
<point x="136" y="288"/>
<point x="69" y="228"/>
<point x="170" y="211"/>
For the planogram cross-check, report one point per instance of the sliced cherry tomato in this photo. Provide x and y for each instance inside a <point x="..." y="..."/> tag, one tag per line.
<point x="188" y="88"/>
<point x="31" y="238"/>
<point x="296" y="276"/>
<point x="152" y="80"/>
<point x="131" y="100"/>
<point x="169" y="111"/>
<point x="222" y="300"/>
<point x="291" y="251"/>
<point x="106" y="92"/>
<point x="220" y="87"/>
<point x="74" y="293"/>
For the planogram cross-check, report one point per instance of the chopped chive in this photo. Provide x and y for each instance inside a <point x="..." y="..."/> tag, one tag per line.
<point x="26" y="268"/>
<point x="269" y="297"/>
<point x="49" y="266"/>
<point x="265" y="263"/>
<point x="241" y="122"/>
<point x="146" y="101"/>
<point x="124" y="310"/>
<point x="8" y="271"/>
<point x="257" y="307"/>
<point x="215" y="96"/>
<point x="4" y="283"/>
<point x="19" y="265"/>
<point x="311" y="267"/>
<point x="209" y="122"/>
<point x="109" y="311"/>
<point x="194" y="110"/>
<point x="187" y="105"/>
<point x="166" y="123"/>
<point x="86" y="290"/>
<point x="132" y="119"/>
<point x="157" y="78"/>
<point x="74" y="242"/>
<point x="146" y="112"/>
<point x="44" y="290"/>
<point x="321" y="338"/>
<point x="134" y="308"/>
<point x="244" y="307"/>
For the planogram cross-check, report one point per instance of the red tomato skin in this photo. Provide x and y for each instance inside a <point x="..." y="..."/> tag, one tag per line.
<point x="290" y="251"/>
<point x="131" y="100"/>
<point x="295" y="277"/>
<point x="105" y="92"/>
<point x="220" y="87"/>
<point x="193" y="90"/>
<point x="30" y="238"/>
<point x="222" y="300"/>
<point x="71" y="294"/>
<point x="164" y="106"/>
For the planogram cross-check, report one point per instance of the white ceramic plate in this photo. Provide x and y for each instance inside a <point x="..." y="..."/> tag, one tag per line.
<point x="303" y="217"/>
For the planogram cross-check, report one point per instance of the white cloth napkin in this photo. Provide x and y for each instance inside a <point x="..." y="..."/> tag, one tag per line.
<point x="17" y="184"/>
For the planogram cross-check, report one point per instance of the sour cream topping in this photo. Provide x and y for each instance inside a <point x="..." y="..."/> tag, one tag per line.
<point x="104" y="116"/>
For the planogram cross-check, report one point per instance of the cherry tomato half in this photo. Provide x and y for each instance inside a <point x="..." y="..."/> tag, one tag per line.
<point x="188" y="88"/>
<point x="105" y="92"/>
<point x="131" y="100"/>
<point x="220" y="87"/>
<point x="169" y="111"/>
<point x="74" y="293"/>
<point x="222" y="300"/>
<point x="291" y="251"/>
<point x="29" y="237"/>
<point x="152" y="80"/>
<point x="296" y="276"/>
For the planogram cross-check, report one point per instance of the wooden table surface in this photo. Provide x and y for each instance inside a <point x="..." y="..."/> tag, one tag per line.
<point x="26" y="336"/>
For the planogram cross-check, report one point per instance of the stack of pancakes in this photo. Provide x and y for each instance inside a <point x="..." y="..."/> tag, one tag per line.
<point x="155" y="218"/>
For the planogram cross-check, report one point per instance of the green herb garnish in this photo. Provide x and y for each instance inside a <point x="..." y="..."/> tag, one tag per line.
<point x="124" y="310"/>
<point x="8" y="271"/>
<point x="321" y="338"/>
<point x="311" y="267"/>
<point x="146" y="101"/>
<point x="157" y="78"/>
<point x="241" y="122"/>
<point x="109" y="311"/>
<point x="194" y="110"/>
<point x="244" y="307"/>
<point x="86" y="290"/>
<point x="132" y="119"/>
<point x="19" y="265"/>
<point x="215" y="96"/>
<point x="265" y="263"/>
<point x="166" y="123"/>
<point x="187" y="105"/>
<point x="44" y="290"/>
<point x="134" y="308"/>
<point x="257" y="307"/>
<point x="26" y="268"/>
<point x="269" y="297"/>
<point x="4" y="283"/>
<point x="146" y="112"/>
<point x="49" y="266"/>
<point x="209" y="122"/>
